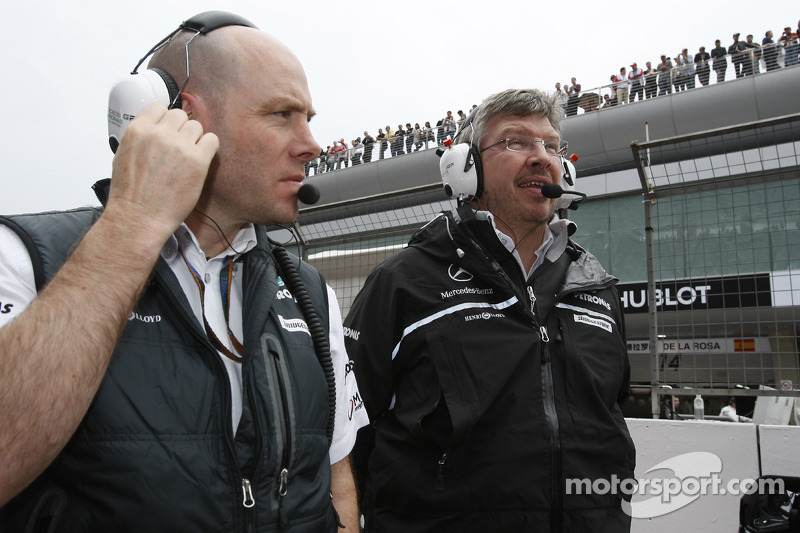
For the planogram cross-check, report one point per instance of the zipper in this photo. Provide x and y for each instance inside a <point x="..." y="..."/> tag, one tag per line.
<point x="554" y="439"/>
<point x="439" y="482"/>
<point x="248" y="501"/>
<point x="548" y="388"/>
<point x="278" y="377"/>
<point x="532" y="298"/>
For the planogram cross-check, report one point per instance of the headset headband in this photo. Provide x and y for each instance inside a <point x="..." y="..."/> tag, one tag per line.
<point x="133" y="92"/>
<point x="202" y="23"/>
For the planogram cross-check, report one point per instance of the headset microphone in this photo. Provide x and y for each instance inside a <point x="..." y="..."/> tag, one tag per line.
<point x="553" y="190"/>
<point x="308" y="194"/>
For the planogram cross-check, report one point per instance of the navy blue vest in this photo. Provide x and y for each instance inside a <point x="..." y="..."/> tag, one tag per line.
<point x="155" y="451"/>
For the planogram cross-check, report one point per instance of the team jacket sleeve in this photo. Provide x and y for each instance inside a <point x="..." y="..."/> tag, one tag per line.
<point x="350" y="413"/>
<point x="625" y="387"/>
<point x="370" y="334"/>
<point x="17" y="286"/>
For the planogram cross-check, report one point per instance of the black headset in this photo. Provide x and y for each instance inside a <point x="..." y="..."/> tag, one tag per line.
<point x="132" y="93"/>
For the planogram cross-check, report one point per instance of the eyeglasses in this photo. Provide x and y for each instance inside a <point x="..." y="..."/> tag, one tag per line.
<point x="528" y="144"/>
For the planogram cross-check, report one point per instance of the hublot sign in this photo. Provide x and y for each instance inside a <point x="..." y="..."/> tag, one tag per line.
<point x="752" y="290"/>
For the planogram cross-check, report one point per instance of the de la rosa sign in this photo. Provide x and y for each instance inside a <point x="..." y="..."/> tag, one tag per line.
<point x="752" y="290"/>
<point x="717" y="345"/>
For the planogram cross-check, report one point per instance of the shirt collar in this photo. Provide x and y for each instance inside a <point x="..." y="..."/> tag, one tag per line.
<point x="509" y="245"/>
<point x="183" y="239"/>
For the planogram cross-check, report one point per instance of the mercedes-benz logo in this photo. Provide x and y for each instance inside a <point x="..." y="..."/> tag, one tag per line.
<point x="459" y="274"/>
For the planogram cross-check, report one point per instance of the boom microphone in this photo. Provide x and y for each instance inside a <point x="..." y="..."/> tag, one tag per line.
<point x="553" y="190"/>
<point x="308" y="194"/>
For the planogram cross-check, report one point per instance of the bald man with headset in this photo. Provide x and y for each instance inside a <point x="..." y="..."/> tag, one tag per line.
<point x="490" y="353"/>
<point x="164" y="366"/>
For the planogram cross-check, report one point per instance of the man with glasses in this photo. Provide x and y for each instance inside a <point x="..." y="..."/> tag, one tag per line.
<point x="490" y="353"/>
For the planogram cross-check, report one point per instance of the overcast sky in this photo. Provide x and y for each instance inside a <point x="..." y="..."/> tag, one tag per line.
<point x="369" y="64"/>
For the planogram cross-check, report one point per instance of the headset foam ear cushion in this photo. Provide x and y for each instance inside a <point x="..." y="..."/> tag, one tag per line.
<point x="478" y="162"/>
<point x="172" y="88"/>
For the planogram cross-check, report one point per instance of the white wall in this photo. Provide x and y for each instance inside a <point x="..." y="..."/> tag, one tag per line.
<point x="683" y="456"/>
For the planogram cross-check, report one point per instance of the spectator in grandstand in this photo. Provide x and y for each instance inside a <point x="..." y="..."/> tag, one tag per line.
<point x="331" y="158"/>
<point x="736" y="51"/>
<point x="574" y="95"/>
<point x="323" y="160"/>
<point x="368" y="147"/>
<point x="450" y="125"/>
<point x="561" y="97"/>
<point x="687" y="69"/>
<point x="357" y="151"/>
<point x="621" y="87"/>
<point x="753" y="59"/>
<point x="678" y="81"/>
<point x="397" y="141"/>
<point x="343" y="156"/>
<point x="461" y="118"/>
<point x="664" y="76"/>
<point x="429" y="135"/>
<point x="382" y="143"/>
<point x="490" y="353"/>
<point x="333" y="152"/>
<point x="409" y="137"/>
<point x="770" y="49"/>
<point x="636" y="79"/>
<point x="440" y="132"/>
<point x="718" y="54"/>
<point x="650" y="81"/>
<point x="701" y="62"/>
<point x="390" y="138"/>
<point x="790" y="47"/>
<point x="314" y="163"/>
<point x="418" y="137"/>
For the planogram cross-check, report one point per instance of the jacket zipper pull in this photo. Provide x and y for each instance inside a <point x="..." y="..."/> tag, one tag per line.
<point x="283" y="489"/>
<point x="439" y="484"/>
<point x="532" y="298"/>
<point x="247" y="492"/>
<point x="545" y="344"/>
<point x="283" y="482"/>
<point x="543" y="334"/>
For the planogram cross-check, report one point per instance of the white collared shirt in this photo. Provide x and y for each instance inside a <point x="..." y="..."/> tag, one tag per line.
<point x="509" y="245"/>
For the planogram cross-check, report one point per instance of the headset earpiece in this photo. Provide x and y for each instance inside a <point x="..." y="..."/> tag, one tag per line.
<point x="134" y="92"/>
<point x="461" y="167"/>
<point x="462" y="172"/>
<point x="130" y="94"/>
<point x="567" y="183"/>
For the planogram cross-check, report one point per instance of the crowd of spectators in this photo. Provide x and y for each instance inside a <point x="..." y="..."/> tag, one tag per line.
<point x="685" y="71"/>
<point x="681" y="73"/>
<point x="402" y="140"/>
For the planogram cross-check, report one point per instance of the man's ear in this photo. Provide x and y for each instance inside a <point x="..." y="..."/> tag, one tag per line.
<point x="195" y="108"/>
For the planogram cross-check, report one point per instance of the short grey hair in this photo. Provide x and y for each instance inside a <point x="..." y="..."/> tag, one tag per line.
<point x="513" y="102"/>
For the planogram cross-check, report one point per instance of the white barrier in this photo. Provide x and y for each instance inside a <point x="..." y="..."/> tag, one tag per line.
<point x="692" y="474"/>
